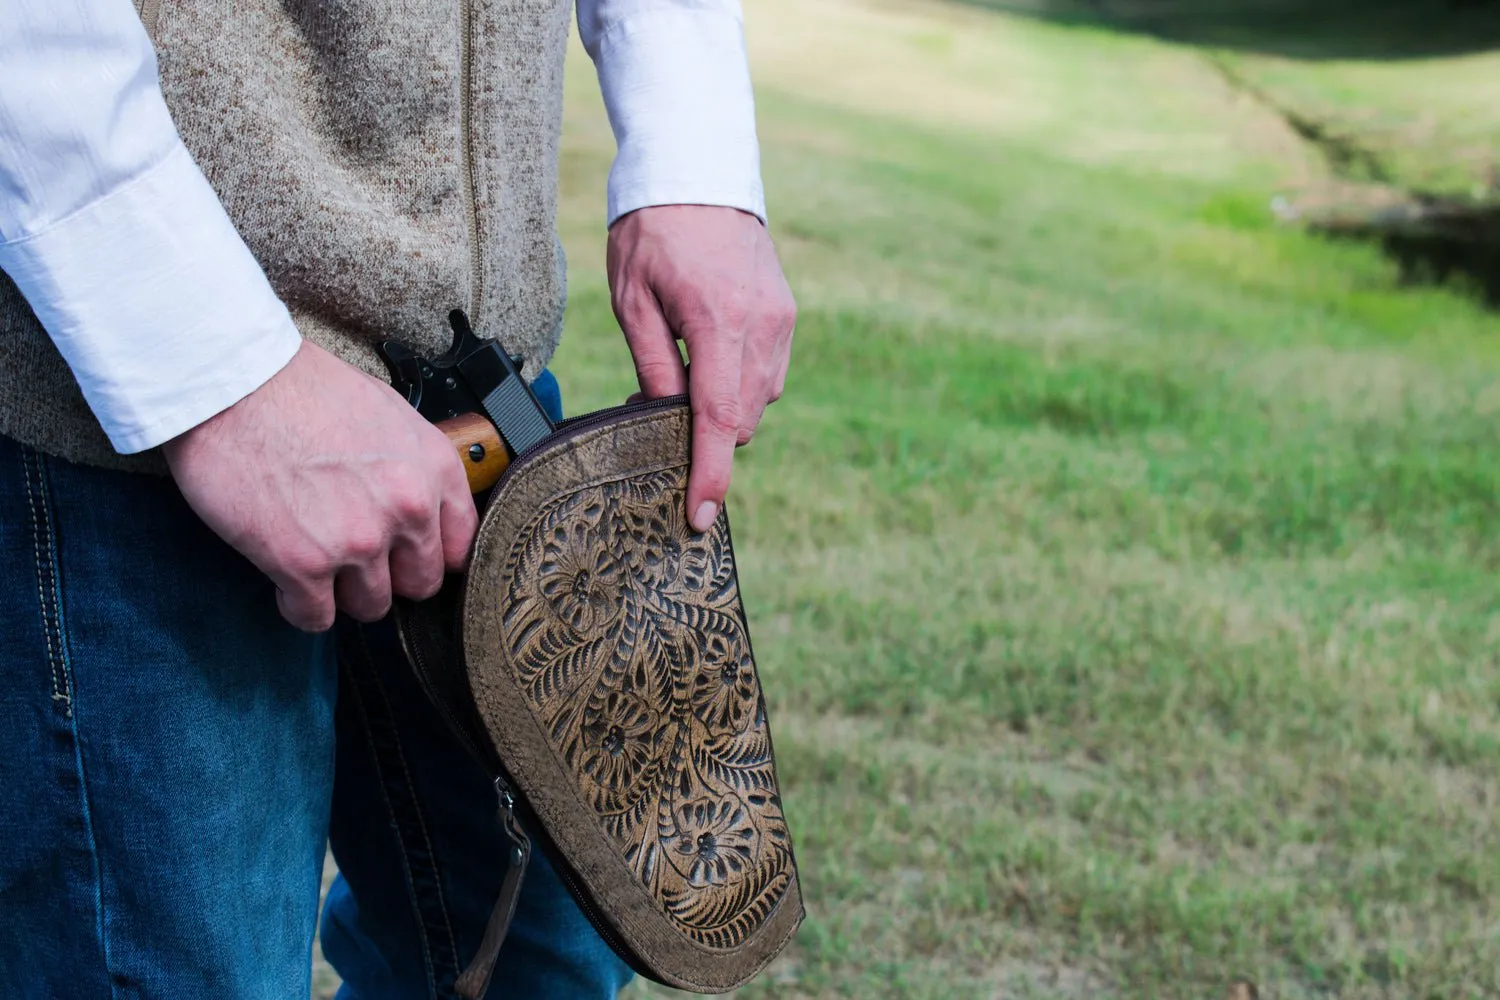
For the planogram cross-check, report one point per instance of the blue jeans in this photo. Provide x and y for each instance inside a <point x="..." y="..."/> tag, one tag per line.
<point x="174" y="758"/>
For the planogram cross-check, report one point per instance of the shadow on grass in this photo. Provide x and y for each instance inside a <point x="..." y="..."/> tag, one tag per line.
<point x="1434" y="241"/>
<point x="1299" y="29"/>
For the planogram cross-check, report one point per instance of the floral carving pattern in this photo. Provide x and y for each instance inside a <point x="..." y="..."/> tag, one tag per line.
<point x="626" y="632"/>
<point x="579" y="577"/>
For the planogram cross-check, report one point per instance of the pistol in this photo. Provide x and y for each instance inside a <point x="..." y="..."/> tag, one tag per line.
<point x="475" y="394"/>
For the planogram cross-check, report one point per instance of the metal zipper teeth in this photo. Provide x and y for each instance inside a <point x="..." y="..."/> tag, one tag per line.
<point x="466" y="129"/>
<point x="570" y="880"/>
<point x="573" y="426"/>
<point x="150" y="13"/>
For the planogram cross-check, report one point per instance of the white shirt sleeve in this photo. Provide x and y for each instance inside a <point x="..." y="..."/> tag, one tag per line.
<point x="676" y="83"/>
<point x="113" y="234"/>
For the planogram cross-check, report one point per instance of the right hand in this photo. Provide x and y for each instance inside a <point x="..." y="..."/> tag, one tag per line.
<point x="334" y="487"/>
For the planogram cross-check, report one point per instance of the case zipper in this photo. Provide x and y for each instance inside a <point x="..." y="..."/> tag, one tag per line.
<point x="475" y="980"/>
<point x="573" y="426"/>
<point x="512" y="802"/>
<point x="516" y="814"/>
<point x="567" y="429"/>
<point x="570" y="880"/>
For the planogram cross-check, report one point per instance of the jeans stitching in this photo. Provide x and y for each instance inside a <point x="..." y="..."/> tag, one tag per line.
<point x="451" y="973"/>
<point x="364" y="715"/>
<point x="387" y="783"/>
<point x="49" y="593"/>
<point x="44" y="548"/>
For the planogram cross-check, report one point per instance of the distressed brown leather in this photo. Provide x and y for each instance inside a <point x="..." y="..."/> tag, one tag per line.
<point x="612" y="678"/>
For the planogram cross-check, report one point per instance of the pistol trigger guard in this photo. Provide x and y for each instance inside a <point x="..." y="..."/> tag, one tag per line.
<point x="405" y="366"/>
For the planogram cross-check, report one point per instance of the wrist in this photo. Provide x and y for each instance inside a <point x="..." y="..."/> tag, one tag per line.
<point x="241" y="406"/>
<point x="682" y="209"/>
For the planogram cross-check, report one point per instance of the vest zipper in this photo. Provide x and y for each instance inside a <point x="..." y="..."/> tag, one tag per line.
<point x="150" y="11"/>
<point x="471" y="180"/>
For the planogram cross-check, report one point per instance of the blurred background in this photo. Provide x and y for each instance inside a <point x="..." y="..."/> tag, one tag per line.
<point x="1121" y="560"/>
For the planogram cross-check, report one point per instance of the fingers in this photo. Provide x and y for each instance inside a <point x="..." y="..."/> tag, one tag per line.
<point x="307" y="605"/>
<point x="417" y="565"/>
<point x="413" y="569"/>
<point x="427" y="532"/>
<point x="715" y="392"/>
<point x="658" y="364"/>
<point x="778" y="381"/>
<point x="710" y="275"/>
<point x="457" y="520"/>
<point x="764" y="376"/>
<point x="363" y="592"/>
<point x="768" y="350"/>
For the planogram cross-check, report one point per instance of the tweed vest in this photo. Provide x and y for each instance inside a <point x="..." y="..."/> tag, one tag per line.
<point x="386" y="161"/>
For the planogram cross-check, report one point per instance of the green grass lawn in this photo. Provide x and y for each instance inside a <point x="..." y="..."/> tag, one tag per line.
<point x="1410" y="85"/>
<point x="1121" y="564"/>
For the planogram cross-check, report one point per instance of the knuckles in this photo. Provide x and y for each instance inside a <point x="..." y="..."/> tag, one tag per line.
<point x="784" y="317"/>
<point x="423" y="589"/>
<point x="364" y="546"/>
<point x="408" y="505"/>
<point x="722" y="413"/>
<point x="315" y="623"/>
<point x="632" y="302"/>
<point x="657" y="372"/>
<point x="315" y="616"/>
<point x="370" y="613"/>
<point x="309" y="566"/>
<point x="416" y="582"/>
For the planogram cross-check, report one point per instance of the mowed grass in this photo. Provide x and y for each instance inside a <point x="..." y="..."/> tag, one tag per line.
<point x="1121" y="565"/>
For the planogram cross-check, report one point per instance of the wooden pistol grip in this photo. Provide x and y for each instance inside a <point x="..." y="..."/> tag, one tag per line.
<point x="479" y="446"/>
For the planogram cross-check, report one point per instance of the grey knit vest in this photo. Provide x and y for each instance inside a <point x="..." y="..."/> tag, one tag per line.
<point x="386" y="161"/>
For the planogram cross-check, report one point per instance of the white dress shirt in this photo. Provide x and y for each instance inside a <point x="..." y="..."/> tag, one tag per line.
<point x="122" y="249"/>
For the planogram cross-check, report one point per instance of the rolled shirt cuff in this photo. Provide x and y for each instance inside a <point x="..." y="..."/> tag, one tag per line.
<point x="676" y="83"/>
<point x="156" y="304"/>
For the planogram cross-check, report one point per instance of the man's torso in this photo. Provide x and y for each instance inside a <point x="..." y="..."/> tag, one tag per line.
<point x="385" y="161"/>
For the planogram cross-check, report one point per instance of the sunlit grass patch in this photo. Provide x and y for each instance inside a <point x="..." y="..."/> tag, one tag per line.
<point x="1121" y="563"/>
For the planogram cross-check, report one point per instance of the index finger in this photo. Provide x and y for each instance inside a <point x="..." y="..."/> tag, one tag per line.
<point x="714" y="388"/>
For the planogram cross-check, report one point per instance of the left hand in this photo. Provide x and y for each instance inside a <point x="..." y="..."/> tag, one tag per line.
<point x="709" y="276"/>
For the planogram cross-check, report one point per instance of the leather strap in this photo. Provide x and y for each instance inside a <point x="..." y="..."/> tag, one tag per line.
<point x="476" y="978"/>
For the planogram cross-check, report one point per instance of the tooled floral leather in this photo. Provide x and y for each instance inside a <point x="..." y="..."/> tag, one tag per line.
<point x="627" y="637"/>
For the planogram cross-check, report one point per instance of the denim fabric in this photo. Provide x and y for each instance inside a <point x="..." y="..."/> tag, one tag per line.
<point x="406" y="794"/>
<point x="170" y="751"/>
<point x="166" y="749"/>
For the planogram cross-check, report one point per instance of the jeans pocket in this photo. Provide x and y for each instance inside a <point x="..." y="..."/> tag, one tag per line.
<point x="41" y="524"/>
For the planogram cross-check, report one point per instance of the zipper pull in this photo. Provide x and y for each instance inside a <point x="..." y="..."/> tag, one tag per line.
<point x="476" y="978"/>
<point x="520" y="844"/>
